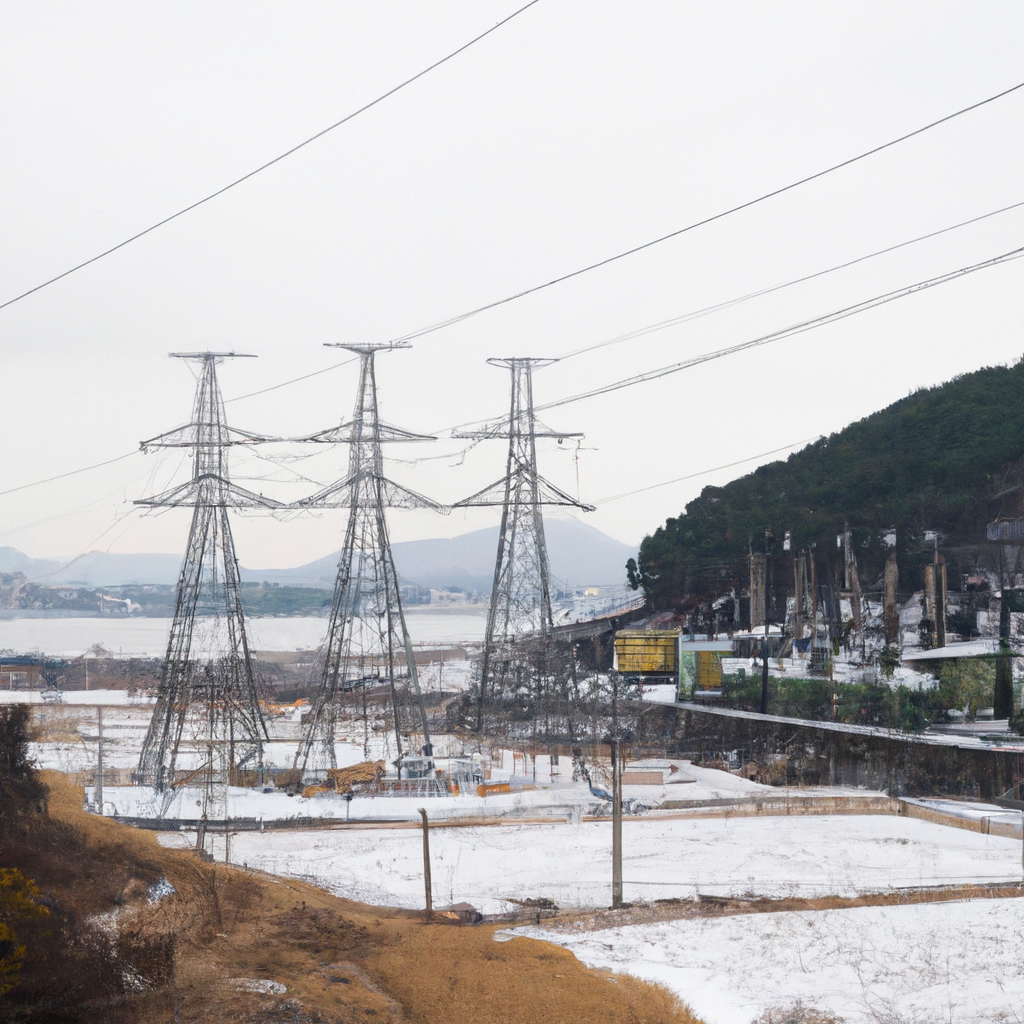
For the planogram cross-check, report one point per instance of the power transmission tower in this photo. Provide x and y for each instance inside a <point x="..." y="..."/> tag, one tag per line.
<point x="367" y="639"/>
<point x="208" y="684"/>
<point x="520" y="611"/>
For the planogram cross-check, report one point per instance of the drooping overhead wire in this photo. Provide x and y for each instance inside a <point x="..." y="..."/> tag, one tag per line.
<point x="705" y="472"/>
<point x="706" y="220"/>
<point x="639" y="378"/>
<point x="88" y="548"/>
<point x="806" y="325"/>
<point x="728" y="303"/>
<point x="270" y="163"/>
<point x="766" y="339"/>
<point x="70" y="472"/>
<point x="294" y="380"/>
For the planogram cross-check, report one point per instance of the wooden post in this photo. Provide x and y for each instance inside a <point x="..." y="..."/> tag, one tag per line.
<point x="616" y="825"/>
<point x="97" y="798"/>
<point x="426" y="864"/>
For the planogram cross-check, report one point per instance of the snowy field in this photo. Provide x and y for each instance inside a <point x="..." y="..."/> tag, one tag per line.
<point x="534" y="793"/>
<point x="566" y="799"/>
<point x="571" y="863"/>
<point x="958" y="963"/>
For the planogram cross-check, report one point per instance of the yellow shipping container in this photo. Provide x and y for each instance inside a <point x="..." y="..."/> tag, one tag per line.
<point x="708" y="670"/>
<point x="646" y="651"/>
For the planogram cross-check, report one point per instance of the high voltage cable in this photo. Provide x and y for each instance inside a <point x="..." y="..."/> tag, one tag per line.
<point x="72" y="472"/>
<point x="728" y="303"/>
<point x="294" y="380"/>
<point x="695" y="314"/>
<point x="664" y="371"/>
<point x="766" y="339"/>
<point x="704" y="472"/>
<point x="270" y="163"/>
<point x="786" y="332"/>
<point x="707" y="220"/>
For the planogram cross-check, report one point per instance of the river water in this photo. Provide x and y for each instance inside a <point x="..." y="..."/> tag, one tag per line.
<point x="142" y="637"/>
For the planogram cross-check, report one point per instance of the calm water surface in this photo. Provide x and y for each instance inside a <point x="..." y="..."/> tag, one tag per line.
<point x="138" y="637"/>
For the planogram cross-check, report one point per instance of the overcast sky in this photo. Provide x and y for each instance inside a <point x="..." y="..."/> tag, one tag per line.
<point x="574" y="132"/>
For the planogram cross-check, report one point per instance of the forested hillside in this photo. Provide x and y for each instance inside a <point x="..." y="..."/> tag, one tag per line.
<point x="947" y="459"/>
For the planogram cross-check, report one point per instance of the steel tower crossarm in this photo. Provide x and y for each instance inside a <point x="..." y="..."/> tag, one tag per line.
<point x="367" y="635"/>
<point x="214" y="693"/>
<point x="519" y="615"/>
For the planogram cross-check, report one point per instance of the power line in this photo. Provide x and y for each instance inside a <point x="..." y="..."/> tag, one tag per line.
<point x="294" y="380"/>
<point x="695" y="314"/>
<point x="664" y="371"/>
<point x="73" y="472"/>
<point x="766" y="339"/>
<point x="705" y="472"/>
<point x="786" y="332"/>
<point x="270" y="163"/>
<point x="728" y="303"/>
<point x="86" y="550"/>
<point x="707" y="220"/>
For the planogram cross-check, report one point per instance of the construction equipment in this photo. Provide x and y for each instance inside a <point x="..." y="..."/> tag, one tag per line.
<point x="366" y="773"/>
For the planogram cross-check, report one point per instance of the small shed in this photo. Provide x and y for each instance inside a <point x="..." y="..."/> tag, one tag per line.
<point x="465" y="912"/>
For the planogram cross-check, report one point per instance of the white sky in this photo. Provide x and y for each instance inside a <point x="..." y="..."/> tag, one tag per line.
<point x="574" y="132"/>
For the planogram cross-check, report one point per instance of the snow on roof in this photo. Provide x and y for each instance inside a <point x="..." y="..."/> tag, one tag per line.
<point x="983" y="647"/>
<point x="930" y="739"/>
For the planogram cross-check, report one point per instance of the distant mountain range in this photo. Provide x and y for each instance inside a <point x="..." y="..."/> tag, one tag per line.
<point x="579" y="554"/>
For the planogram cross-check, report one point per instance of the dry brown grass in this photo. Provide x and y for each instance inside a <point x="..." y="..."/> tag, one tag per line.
<point x="728" y="906"/>
<point x="55" y="724"/>
<point x="341" y="961"/>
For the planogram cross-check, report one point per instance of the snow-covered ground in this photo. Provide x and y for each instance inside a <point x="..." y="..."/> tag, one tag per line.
<point x="76" y="697"/>
<point x="662" y="858"/>
<point x="958" y="963"/>
<point x="533" y="794"/>
<point x="843" y="671"/>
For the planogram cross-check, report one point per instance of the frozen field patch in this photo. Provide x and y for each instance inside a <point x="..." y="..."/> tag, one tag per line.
<point x="958" y="963"/>
<point x="571" y="864"/>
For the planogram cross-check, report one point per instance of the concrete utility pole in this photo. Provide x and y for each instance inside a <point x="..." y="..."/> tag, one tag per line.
<point x="426" y="865"/>
<point x="799" y="589"/>
<point x="1002" y="701"/>
<point x="939" y="578"/>
<point x="890" y="612"/>
<point x="758" y="602"/>
<point x="764" y="643"/>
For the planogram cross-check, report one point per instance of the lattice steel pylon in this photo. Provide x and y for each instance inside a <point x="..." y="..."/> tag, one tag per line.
<point x="208" y="691"/>
<point x="367" y="637"/>
<point x="520" y="608"/>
